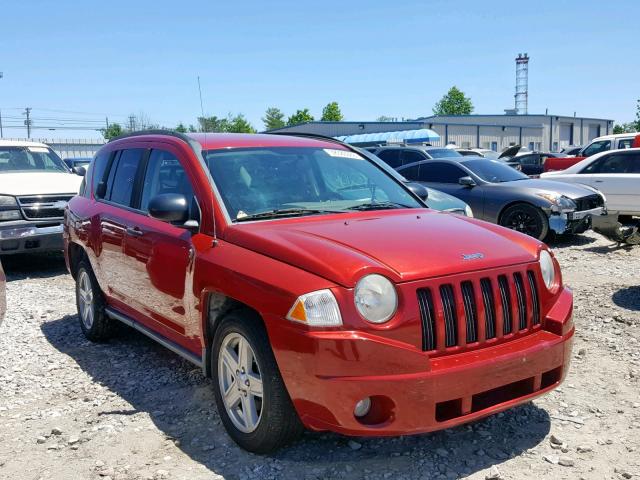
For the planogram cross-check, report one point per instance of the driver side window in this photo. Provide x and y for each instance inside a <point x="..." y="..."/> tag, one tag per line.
<point x="440" y="172"/>
<point x="597" y="147"/>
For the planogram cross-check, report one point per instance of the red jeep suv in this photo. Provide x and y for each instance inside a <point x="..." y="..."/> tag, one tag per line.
<point x="312" y="286"/>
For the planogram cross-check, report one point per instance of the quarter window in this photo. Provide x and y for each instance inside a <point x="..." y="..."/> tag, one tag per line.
<point x="121" y="183"/>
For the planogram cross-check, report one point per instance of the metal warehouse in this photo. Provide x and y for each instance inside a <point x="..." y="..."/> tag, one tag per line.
<point x="495" y="132"/>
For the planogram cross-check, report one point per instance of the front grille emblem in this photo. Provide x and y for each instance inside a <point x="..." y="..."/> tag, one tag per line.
<point x="472" y="256"/>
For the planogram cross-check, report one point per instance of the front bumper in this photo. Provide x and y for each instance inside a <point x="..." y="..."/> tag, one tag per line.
<point x="574" y="222"/>
<point x="30" y="237"/>
<point x="411" y="393"/>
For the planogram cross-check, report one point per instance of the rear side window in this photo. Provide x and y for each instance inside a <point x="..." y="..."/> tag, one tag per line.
<point x="391" y="157"/>
<point x="440" y="172"/>
<point x="96" y="170"/>
<point x="616" y="163"/>
<point x="625" y="143"/>
<point x="121" y="182"/>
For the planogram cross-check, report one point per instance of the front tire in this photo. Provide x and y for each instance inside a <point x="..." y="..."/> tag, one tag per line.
<point x="526" y="219"/>
<point x="94" y="322"/>
<point x="252" y="401"/>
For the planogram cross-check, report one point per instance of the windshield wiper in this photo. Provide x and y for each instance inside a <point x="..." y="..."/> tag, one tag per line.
<point x="378" y="206"/>
<point x="284" y="212"/>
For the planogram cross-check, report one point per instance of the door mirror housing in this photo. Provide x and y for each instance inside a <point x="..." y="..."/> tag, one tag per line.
<point x="79" y="171"/>
<point x="418" y="190"/>
<point x="169" y="207"/>
<point x="466" y="181"/>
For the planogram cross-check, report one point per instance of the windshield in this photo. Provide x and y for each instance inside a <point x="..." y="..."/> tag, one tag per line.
<point x="308" y="180"/>
<point x="443" y="153"/>
<point x="27" y="159"/>
<point x="494" y="171"/>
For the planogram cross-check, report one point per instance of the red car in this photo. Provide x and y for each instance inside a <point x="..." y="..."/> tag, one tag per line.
<point x="313" y="287"/>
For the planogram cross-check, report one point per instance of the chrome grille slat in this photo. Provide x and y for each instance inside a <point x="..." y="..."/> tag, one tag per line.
<point x="450" y="317"/>
<point x="470" y="311"/>
<point x="428" y="317"/>
<point x="522" y="300"/>
<point x="489" y="307"/>
<point x="535" y="301"/>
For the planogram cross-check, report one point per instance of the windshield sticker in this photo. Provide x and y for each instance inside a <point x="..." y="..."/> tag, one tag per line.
<point x="342" y="154"/>
<point x="38" y="149"/>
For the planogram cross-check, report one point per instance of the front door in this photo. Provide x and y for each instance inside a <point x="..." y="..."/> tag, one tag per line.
<point x="160" y="254"/>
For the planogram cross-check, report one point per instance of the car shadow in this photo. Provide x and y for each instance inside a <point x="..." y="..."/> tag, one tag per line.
<point x="179" y="400"/>
<point x="567" y="240"/>
<point x="33" y="265"/>
<point x="628" y="298"/>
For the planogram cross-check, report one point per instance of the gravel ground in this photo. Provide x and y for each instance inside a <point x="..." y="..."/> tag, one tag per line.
<point x="130" y="409"/>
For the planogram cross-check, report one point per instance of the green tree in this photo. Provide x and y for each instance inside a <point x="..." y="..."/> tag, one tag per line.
<point x="239" y="124"/>
<point x="273" y="118"/>
<point x="625" y="128"/>
<point x="192" y="129"/>
<point x="213" y="124"/>
<point x="114" y="130"/>
<point x="453" y="103"/>
<point x="332" y="113"/>
<point x="181" y="128"/>
<point x="384" y="118"/>
<point x="637" y="116"/>
<point x="301" y="116"/>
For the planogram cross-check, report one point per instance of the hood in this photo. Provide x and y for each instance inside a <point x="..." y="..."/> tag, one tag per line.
<point x="403" y="245"/>
<point x="39" y="183"/>
<point x="510" y="152"/>
<point x="570" y="190"/>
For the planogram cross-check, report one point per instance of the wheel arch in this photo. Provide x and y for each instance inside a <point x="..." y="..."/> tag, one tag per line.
<point x="75" y="254"/>
<point x="519" y="202"/>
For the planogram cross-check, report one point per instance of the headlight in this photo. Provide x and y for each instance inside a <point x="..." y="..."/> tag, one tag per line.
<point x="560" y="201"/>
<point x="376" y="298"/>
<point x="9" y="215"/>
<point x="468" y="212"/>
<point x="8" y="201"/>
<point x="316" y="309"/>
<point x="547" y="268"/>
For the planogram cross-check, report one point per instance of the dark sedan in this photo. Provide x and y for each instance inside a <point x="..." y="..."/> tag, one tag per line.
<point x="532" y="164"/>
<point x="500" y="194"/>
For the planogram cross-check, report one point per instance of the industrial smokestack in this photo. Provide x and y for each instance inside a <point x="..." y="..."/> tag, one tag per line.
<point x="522" y="84"/>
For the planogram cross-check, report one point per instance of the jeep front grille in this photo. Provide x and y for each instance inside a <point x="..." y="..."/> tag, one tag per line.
<point x="472" y="312"/>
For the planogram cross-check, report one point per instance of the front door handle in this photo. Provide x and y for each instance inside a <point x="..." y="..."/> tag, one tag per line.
<point x="134" y="231"/>
<point x="599" y="181"/>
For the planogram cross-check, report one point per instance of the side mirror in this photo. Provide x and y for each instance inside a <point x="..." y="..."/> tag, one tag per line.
<point x="418" y="190"/>
<point x="169" y="207"/>
<point x="466" y="182"/>
<point x="79" y="171"/>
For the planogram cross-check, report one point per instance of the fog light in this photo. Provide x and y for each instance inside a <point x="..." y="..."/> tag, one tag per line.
<point x="362" y="407"/>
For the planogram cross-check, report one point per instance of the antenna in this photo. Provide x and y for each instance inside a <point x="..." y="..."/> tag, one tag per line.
<point x="204" y="123"/>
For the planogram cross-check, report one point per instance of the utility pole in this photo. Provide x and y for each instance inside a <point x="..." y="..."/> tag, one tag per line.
<point x="132" y="122"/>
<point x="27" y="122"/>
<point x="107" y="121"/>
<point x="1" y="133"/>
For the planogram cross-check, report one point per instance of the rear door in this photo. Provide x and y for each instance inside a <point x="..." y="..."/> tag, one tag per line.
<point x="617" y="176"/>
<point x="160" y="254"/>
<point x="115" y="195"/>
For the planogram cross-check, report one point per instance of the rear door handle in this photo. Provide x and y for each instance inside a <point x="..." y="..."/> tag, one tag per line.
<point x="134" y="232"/>
<point x="599" y="181"/>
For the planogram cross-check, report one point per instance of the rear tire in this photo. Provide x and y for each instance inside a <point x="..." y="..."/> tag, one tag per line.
<point x="526" y="219"/>
<point x="252" y="400"/>
<point x="94" y="322"/>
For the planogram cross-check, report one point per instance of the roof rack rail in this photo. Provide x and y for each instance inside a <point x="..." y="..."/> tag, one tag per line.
<point x="156" y="131"/>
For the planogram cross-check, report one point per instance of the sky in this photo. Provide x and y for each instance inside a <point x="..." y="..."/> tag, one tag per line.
<point x="76" y="63"/>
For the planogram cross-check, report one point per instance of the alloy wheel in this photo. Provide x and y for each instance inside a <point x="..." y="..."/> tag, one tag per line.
<point x="85" y="299"/>
<point x="240" y="382"/>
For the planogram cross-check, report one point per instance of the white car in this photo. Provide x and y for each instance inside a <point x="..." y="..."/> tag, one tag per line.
<point x="615" y="173"/>
<point x="35" y="186"/>
<point x="606" y="143"/>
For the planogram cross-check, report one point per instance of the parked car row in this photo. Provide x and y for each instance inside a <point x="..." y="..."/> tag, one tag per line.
<point x="498" y="193"/>
<point x="312" y="285"/>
